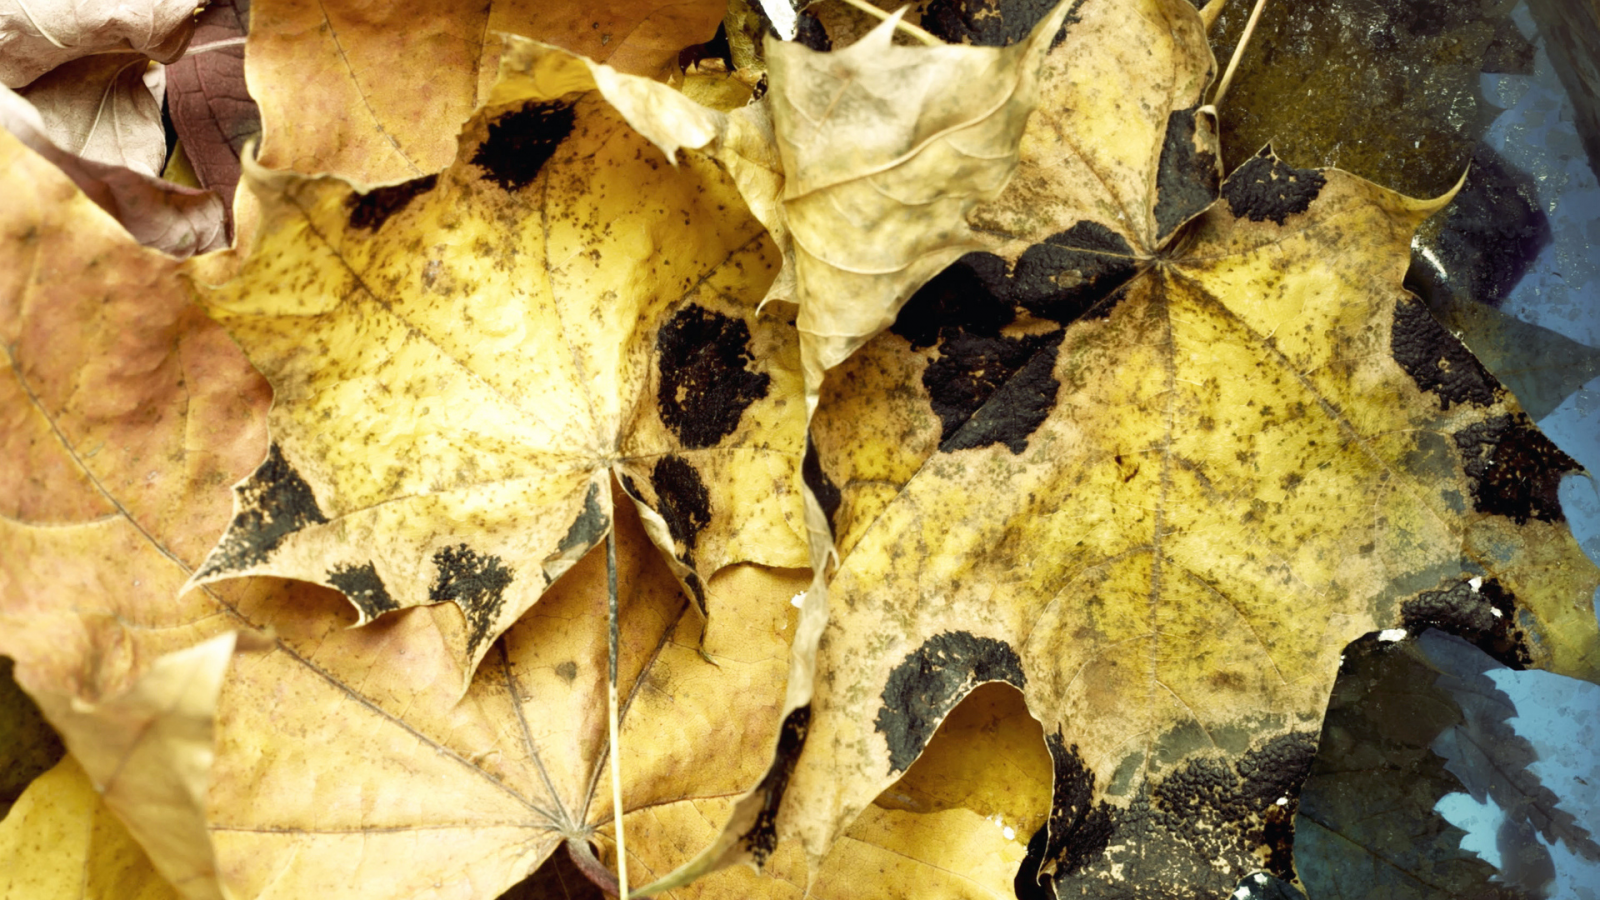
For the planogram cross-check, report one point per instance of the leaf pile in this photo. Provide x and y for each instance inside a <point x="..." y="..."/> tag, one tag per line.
<point x="1099" y="456"/>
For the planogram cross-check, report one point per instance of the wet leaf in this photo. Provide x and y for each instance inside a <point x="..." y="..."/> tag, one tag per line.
<point x="63" y="843"/>
<point x="1117" y="465"/>
<point x="461" y="364"/>
<point x="378" y="94"/>
<point x="36" y="37"/>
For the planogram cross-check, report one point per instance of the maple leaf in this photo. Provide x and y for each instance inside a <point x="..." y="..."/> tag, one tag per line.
<point x="1123" y="462"/>
<point x="341" y="90"/>
<point x="37" y="37"/>
<point x="334" y="746"/>
<point x="413" y="465"/>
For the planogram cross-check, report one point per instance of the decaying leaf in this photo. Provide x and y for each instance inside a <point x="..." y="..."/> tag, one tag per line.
<point x="36" y="36"/>
<point x="343" y="755"/>
<point x="212" y="112"/>
<point x="105" y="109"/>
<point x="461" y="364"/>
<point x="177" y="220"/>
<point x="1156" y="476"/>
<point x="377" y="93"/>
<point x="63" y="843"/>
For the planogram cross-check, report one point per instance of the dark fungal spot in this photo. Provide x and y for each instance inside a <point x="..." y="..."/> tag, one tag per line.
<point x="1515" y="470"/>
<point x="683" y="500"/>
<point x="1070" y="275"/>
<point x="931" y="680"/>
<point x="1264" y="187"/>
<point x="1187" y="177"/>
<point x="993" y="390"/>
<point x="590" y="525"/>
<point x="364" y="588"/>
<point x="477" y="584"/>
<point x="521" y="142"/>
<point x="275" y="502"/>
<point x="567" y="671"/>
<point x="964" y="298"/>
<point x="1029" y="883"/>
<point x="808" y="32"/>
<point x="1484" y="616"/>
<point x="1436" y="360"/>
<point x="762" y="838"/>
<point x="1079" y="830"/>
<point x="370" y="210"/>
<point x="698" y="590"/>
<point x="991" y="23"/>
<point x="822" y="487"/>
<point x="704" y="380"/>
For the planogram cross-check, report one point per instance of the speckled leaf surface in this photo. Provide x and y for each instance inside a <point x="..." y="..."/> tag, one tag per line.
<point x="376" y="92"/>
<point x="1162" y="496"/>
<point x="461" y="363"/>
<point x="343" y="756"/>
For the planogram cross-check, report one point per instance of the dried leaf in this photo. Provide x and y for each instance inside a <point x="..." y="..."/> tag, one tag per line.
<point x="481" y="483"/>
<point x="39" y="35"/>
<point x="376" y="94"/>
<point x="208" y="100"/>
<point x="176" y="220"/>
<point x="105" y="109"/>
<point x="63" y="843"/>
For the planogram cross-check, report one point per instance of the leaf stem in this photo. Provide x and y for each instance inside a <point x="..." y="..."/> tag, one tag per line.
<point x="613" y="640"/>
<point x="1238" y="53"/>
<point x="583" y="857"/>
<point x="903" y="25"/>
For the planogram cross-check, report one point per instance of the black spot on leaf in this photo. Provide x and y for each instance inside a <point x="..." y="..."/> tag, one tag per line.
<point x="1029" y="883"/>
<point x="477" y="584"/>
<point x="1484" y="617"/>
<point x="1079" y="830"/>
<point x="990" y="23"/>
<point x="1266" y="188"/>
<point x="705" y="385"/>
<point x="275" y="502"/>
<point x="521" y="142"/>
<point x="1070" y="275"/>
<point x="929" y="683"/>
<point x="567" y="670"/>
<point x="967" y="297"/>
<point x="993" y="390"/>
<point x="827" y="493"/>
<point x="762" y="838"/>
<point x="1435" y="360"/>
<point x="590" y="525"/>
<point x="1515" y="470"/>
<point x="1187" y="177"/>
<point x="364" y="588"/>
<point x="684" y="501"/>
<point x="370" y="210"/>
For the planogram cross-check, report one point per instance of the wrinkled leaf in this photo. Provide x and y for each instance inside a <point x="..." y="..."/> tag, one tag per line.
<point x="39" y="35"/>
<point x="343" y="755"/>
<point x="208" y="100"/>
<point x="1118" y="467"/>
<point x="377" y="93"/>
<point x="105" y="109"/>
<point x="176" y="220"/>
<point x="63" y="843"/>
<point x="462" y="363"/>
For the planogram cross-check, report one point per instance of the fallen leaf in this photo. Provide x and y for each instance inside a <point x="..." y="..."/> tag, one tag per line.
<point x="343" y="755"/>
<point x="465" y="361"/>
<point x="176" y="220"/>
<point x="208" y="100"/>
<point x="1157" y="477"/>
<point x="105" y="109"/>
<point x="61" y="842"/>
<point x="376" y="94"/>
<point x="39" y="35"/>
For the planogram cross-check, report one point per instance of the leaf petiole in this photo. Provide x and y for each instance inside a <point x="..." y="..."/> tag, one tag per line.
<point x="1238" y="53"/>
<point x="903" y="25"/>
<point x="612" y="706"/>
